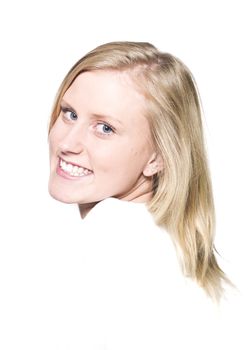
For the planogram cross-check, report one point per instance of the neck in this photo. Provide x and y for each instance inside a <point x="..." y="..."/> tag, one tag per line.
<point x="85" y="208"/>
<point x="141" y="193"/>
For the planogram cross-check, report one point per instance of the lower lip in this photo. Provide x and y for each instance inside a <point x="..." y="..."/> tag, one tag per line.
<point x="67" y="176"/>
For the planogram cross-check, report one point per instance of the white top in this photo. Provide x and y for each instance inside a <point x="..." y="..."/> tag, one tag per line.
<point x="128" y="291"/>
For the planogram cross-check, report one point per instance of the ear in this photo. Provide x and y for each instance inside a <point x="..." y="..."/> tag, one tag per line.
<point x="154" y="165"/>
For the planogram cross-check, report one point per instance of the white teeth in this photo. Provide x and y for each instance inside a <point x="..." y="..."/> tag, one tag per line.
<point x="69" y="168"/>
<point x="73" y="170"/>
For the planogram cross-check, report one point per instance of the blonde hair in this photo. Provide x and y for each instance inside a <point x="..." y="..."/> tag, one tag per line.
<point x="182" y="194"/>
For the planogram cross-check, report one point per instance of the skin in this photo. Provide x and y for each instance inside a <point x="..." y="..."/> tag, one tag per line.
<point x="102" y="127"/>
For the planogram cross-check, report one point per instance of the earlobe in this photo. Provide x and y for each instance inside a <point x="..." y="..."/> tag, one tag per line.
<point x="154" y="165"/>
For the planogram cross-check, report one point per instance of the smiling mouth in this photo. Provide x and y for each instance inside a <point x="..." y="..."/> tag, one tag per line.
<point x="73" y="170"/>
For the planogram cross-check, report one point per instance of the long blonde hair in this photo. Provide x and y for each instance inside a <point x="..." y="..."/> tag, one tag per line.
<point x="182" y="193"/>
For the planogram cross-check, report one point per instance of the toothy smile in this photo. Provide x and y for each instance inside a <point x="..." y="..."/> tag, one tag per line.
<point x="73" y="170"/>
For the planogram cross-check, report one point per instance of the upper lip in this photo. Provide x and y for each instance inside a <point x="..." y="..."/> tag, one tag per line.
<point x="81" y="166"/>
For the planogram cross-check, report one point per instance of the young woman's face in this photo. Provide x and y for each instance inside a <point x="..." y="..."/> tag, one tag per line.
<point x="100" y="145"/>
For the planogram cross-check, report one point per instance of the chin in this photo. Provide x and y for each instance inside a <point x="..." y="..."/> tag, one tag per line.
<point x="60" y="196"/>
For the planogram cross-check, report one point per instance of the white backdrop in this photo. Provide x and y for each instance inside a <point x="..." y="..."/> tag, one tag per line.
<point x="40" y="41"/>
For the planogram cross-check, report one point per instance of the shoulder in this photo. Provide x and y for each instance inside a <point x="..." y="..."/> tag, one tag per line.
<point x="114" y="208"/>
<point x="134" y="252"/>
<point x="113" y="213"/>
<point x="138" y="279"/>
<point x="131" y="227"/>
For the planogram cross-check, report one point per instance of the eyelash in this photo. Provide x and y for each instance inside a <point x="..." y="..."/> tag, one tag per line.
<point x="111" y="128"/>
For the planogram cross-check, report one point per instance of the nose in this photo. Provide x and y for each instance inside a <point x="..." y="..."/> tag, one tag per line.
<point x="73" y="140"/>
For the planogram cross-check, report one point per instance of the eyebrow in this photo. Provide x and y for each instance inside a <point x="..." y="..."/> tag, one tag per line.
<point x="67" y="105"/>
<point x="94" y="115"/>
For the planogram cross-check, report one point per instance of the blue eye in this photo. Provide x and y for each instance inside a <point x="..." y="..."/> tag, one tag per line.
<point x="104" y="129"/>
<point x="68" y="114"/>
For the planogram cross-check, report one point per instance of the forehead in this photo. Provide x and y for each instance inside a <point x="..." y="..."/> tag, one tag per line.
<point x="108" y="92"/>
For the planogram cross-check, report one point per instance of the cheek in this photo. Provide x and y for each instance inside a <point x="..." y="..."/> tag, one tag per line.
<point x="56" y="134"/>
<point x="108" y="157"/>
<point x="119" y="160"/>
<point x="136" y="160"/>
<point x="51" y="140"/>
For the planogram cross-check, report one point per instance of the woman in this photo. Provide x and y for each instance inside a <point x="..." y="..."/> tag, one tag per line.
<point x="126" y="145"/>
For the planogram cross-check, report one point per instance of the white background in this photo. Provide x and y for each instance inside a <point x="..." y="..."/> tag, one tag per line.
<point x="40" y="41"/>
